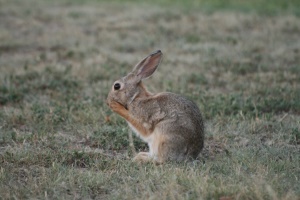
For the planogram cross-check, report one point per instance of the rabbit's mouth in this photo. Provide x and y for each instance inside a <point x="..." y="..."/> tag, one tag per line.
<point x="125" y="106"/>
<point x="109" y="100"/>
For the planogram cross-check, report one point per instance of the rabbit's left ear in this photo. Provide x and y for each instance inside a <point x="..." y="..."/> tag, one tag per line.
<point x="148" y="65"/>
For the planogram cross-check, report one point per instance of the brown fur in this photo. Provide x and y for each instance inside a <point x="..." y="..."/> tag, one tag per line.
<point x="171" y="124"/>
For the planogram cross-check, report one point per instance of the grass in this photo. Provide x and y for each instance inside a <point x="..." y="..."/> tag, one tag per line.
<point x="264" y="7"/>
<point x="238" y="61"/>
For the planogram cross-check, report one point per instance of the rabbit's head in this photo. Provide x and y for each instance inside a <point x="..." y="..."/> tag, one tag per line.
<point x="126" y="89"/>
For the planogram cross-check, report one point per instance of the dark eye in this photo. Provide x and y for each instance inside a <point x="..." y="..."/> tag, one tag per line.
<point x="117" y="86"/>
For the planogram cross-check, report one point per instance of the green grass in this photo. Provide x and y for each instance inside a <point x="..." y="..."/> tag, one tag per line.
<point x="239" y="61"/>
<point x="265" y="7"/>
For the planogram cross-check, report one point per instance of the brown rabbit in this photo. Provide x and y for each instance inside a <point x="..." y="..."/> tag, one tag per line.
<point x="171" y="124"/>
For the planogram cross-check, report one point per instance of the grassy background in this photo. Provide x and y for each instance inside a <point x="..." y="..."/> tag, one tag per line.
<point x="238" y="60"/>
<point x="264" y="7"/>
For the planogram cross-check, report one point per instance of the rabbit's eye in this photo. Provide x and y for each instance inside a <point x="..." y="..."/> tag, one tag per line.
<point x="117" y="86"/>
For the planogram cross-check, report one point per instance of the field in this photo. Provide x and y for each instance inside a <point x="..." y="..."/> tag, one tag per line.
<point x="238" y="60"/>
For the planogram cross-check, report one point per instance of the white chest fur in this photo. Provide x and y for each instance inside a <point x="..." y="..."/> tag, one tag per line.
<point x="148" y="139"/>
<point x="137" y="133"/>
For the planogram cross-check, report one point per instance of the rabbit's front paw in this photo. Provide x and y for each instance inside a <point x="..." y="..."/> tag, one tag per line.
<point x="115" y="106"/>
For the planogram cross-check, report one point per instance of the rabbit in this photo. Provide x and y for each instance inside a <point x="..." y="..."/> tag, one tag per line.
<point x="171" y="124"/>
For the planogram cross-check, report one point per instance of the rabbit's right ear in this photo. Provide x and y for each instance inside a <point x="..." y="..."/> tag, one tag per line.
<point x="148" y="65"/>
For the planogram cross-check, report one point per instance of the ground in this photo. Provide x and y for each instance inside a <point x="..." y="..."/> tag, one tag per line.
<point x="239" y="61"/>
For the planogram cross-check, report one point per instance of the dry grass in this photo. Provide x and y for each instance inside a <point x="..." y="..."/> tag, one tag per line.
<point x="58" y="139"/>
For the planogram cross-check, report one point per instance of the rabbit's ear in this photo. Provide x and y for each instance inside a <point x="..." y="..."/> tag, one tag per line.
<point x="148" y="65"/>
